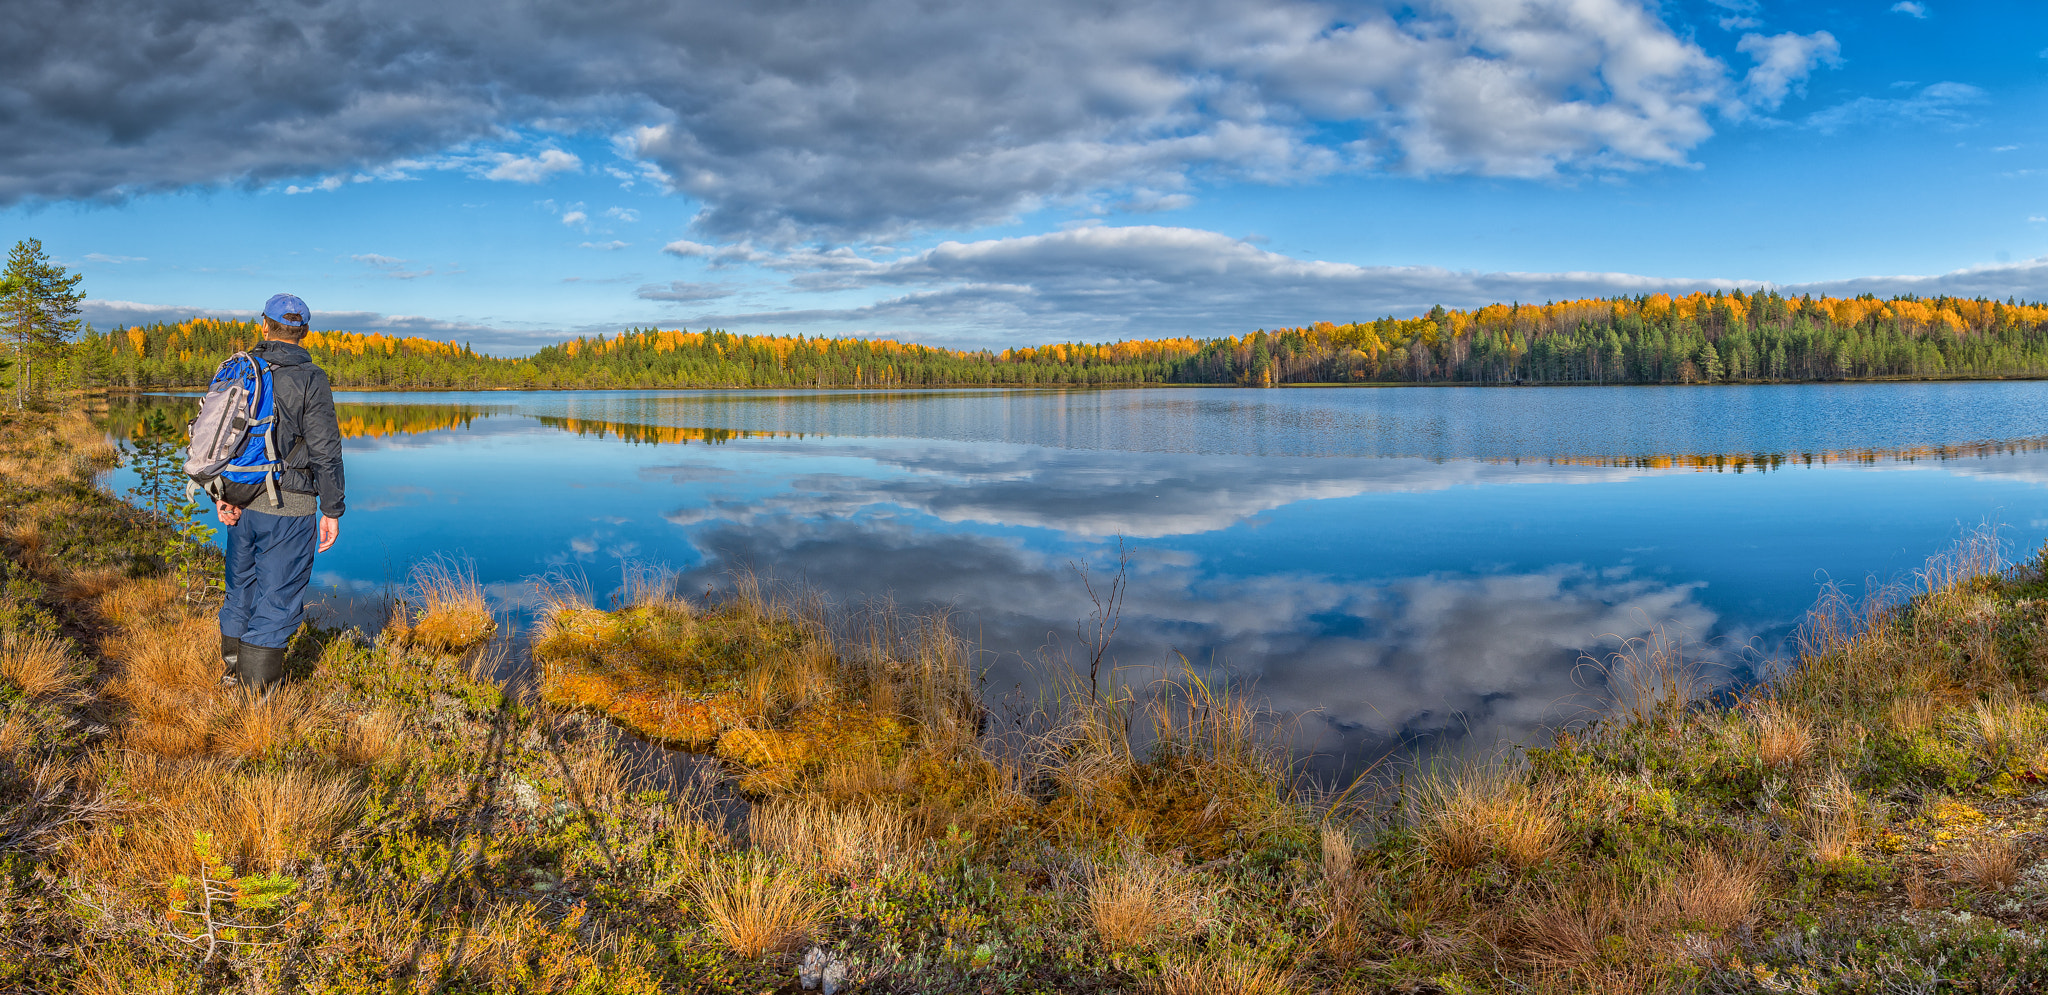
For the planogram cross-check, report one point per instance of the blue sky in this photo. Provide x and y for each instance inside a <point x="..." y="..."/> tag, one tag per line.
<point x="1012" y="173"/>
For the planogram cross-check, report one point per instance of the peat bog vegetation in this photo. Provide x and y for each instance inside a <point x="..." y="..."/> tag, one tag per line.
<point x="394" y="820"/>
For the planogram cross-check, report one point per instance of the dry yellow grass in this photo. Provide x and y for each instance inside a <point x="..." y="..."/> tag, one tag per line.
<point x="144" y="601"/>
<point x="1473" y="813"/>
<point x="1215" y="975"/>
<point x="755" y="907"/>
<point x="1783" y="739"/>
<point x="17" y="730"/>
<point x="256" y="724"/>
<point x="1140" y="899"/>
<point x="38" y="666"/>
<point x="1562" y="930"/>
<point x="125" y="969"/>
<point x="1911" y="714"/>
<point x="1715" y="892"/>
<point x="263" y="821"/>
<point x="1603" y="931"/>
<point x="1834" y="819"/>
<point x="169" y="677"/>
<point x="180" y="656"/>
<point x="1993" y="864"/>
<point x="372" y="738"/>
<point x="837" y="840"/>
<point x="454" y="614"/>
<point x="1346" y="892"/>
<point x="88" y="586"/>
<point x="2005" y="728"/>
<point x="1339" y="856"/>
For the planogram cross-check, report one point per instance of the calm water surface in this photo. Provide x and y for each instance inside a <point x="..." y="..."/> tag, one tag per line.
<point x="1386" y="565"/>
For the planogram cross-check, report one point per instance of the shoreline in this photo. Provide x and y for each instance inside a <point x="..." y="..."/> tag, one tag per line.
<point x="1056" y="388"/>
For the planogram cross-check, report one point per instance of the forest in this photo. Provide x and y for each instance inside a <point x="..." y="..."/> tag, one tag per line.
<point x="1649" y="339"/>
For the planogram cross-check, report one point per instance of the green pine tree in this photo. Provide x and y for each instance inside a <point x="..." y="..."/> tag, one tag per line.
<point x="1711" y="369"/>
<point x="39" y="307"/>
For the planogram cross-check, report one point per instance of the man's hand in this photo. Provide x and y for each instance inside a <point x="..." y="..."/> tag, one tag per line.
<point x="229" y="514"/>
<point x="330" y="530"/>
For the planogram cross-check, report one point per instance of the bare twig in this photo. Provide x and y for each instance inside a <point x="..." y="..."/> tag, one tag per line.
<point x="1108" y="614"/>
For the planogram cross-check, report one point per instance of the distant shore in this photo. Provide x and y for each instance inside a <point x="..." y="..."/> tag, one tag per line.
<point x="1062" y="388"/>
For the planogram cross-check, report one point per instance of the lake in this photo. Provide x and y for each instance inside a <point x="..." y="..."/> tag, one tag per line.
<point x="1384" y="566"/>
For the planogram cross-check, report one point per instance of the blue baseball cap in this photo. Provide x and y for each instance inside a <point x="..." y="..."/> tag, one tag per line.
<point x="289" y="310"/>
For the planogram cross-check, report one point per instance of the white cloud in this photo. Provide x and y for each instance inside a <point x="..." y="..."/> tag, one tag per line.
<point x="861" y="120"/>
<point x="573" y="218"/>
<point x="1105" y="282"/>
<point x="1740" y="23"/>
<point x="1910" y="9"/>
<point x="391" y="266"/>
<point x="528" y="169"/>
<point x="100" y="257"/>
<point x="2036" y="219"/>
<point x="327" y="184"/>
<point x="689" y="250"/>
<point x="683" y="291"/>
<point x="610" y="246"/>
<point x="626" y="214"/>
<point x="1783" y="63"/>
<point x="1937" y="103"/>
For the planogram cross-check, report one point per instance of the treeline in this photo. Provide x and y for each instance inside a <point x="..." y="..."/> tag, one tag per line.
<point x="1700" y="338"/>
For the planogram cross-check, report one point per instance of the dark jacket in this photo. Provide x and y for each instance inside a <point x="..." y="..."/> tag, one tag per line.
<point x="305" y="411"/>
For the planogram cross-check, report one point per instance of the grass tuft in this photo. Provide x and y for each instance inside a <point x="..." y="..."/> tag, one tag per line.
<point x="38" y="666"/>
<point x="1783" y="739"/>
<point x="1220" y="975"/>
<point x="454" y="615"/>
<point x="755" y="906"/>
<point x="1471" y="813"/>
<point x="254" y="725"/>
<point x="842" y="841"/>
<point x="1993" y="864"/>
<point x="1139" y="899"/>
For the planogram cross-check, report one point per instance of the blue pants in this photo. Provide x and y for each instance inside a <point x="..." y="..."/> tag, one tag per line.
<point x="270" y="561"/>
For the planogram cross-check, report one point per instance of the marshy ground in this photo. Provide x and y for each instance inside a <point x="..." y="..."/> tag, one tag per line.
<point x="395" y="820"/>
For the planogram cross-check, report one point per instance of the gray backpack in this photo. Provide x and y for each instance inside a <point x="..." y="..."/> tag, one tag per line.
<point x="233" y="452"/>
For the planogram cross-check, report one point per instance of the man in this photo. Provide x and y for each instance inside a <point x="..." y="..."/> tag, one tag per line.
<point x="271" y="547"/>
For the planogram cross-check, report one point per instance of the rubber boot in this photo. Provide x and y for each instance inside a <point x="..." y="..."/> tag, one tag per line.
<point x="230" y="654"/>
<point x="262" y="666"/>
